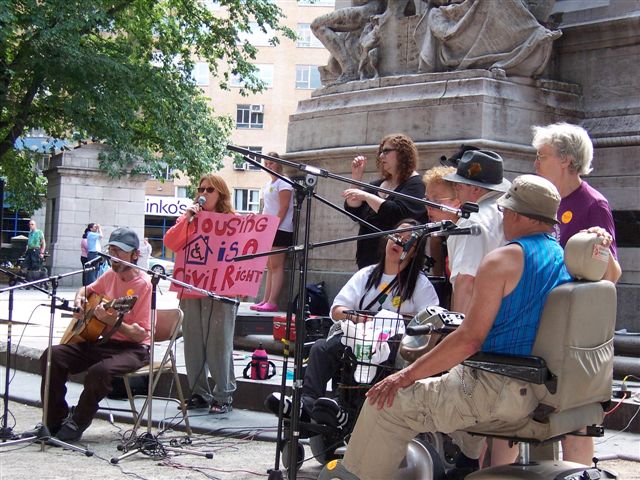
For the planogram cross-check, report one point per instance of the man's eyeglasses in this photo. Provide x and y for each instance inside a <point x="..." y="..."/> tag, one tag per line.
<point x="208" y="189"/>
<point x="385" y="151"/>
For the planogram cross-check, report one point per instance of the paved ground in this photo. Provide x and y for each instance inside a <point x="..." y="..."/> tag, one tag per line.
<point x="239" y="459"/>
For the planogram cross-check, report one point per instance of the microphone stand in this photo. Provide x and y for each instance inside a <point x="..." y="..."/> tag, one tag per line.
<point x="147" y="443"/>
<point x="42" y="433"/>
<point x="301" y="253"/>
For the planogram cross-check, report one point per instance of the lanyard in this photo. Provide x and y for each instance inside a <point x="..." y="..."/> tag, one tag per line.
<point x="381" y="297"/>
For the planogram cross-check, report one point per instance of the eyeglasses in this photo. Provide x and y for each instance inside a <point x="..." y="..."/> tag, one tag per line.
<point x="438" y="200"/>
<point x="208" y="189"/>
<point x="385" y="151"/>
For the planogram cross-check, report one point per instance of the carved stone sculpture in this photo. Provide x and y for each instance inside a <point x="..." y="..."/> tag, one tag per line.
<point x="484" y="34"/>
<point x="370" y="38"/>
<point x="333" y="31"/>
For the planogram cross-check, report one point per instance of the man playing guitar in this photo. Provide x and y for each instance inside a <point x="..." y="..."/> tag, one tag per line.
<point x="126" y="350"/>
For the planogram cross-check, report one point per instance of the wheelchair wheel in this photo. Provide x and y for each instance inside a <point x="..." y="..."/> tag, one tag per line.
<point x="323" y="449"/>
<point x="421" y="462"/>
<point x="444" y="447"/>
<point x="286" y="460"/>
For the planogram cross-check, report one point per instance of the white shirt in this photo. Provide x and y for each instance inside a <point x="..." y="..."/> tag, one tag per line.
<point x="467" y="251"/>
<point x="349" y="296"/>
<point x="145" y="253"/>
<point x="271" y="202"/>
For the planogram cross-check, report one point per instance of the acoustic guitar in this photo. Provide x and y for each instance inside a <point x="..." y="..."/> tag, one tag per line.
<point x="89" y="328"/>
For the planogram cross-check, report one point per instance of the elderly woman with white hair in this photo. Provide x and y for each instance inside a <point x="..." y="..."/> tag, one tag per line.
<point x="564" y="155"/>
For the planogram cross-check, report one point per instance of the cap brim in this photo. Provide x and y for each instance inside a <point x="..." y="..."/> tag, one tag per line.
<point x="508" y="203"/>
<point x="498" y="187"/>
<point x="122" y="246"/>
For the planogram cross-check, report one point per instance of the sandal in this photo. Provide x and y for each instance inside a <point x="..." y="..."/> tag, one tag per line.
<point x="220" y="408"/>
<point x="256" y="305"/>
<point x="267" y="307"/>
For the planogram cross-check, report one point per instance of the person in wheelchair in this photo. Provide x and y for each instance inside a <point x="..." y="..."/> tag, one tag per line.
<point x="391" y="284"/>
<point x="512" y="285"/>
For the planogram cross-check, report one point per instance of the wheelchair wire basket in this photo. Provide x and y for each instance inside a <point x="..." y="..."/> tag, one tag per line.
<point x="370" y="353"/>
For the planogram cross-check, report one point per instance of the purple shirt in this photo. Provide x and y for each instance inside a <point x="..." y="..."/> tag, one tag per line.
<point x="583" y="208"/>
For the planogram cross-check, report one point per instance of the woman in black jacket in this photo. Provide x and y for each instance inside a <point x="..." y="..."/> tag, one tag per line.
<point x="396" y="162"/>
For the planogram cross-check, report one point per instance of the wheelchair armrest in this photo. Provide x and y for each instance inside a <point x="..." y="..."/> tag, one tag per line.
<point x="528" y="369"/>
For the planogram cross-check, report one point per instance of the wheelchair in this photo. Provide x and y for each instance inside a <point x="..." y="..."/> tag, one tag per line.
<point x="570" y="370"/>
<point x="367" y="358"/>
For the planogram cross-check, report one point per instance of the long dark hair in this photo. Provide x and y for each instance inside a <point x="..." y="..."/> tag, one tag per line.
<point x="87" y="230"/>
<point x="408" y="277"/>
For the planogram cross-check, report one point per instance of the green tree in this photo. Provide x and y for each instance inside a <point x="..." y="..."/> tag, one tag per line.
<point x="120" y="72"/>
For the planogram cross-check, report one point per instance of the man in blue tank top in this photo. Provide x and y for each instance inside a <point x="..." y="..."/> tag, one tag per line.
<point x="512" y="285"/>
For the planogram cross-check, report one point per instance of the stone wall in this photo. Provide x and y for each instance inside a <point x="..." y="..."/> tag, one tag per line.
<point x="78" y="193"/>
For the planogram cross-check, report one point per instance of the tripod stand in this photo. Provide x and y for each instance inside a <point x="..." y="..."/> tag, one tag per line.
<point x="41" y="433"/>
<point x="306" y="194"/>
<point x="148" y="443"/>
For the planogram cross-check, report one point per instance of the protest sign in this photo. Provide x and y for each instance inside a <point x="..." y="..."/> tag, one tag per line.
<point x="206" y="260"/>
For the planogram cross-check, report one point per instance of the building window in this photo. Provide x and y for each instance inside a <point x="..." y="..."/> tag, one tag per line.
<point x="264" y="73"/>
<point x="182" y="192"/>
<point x="317" y="3"/>
<point x="250" y="116"/>
<point x="166" y="174"/>
<point x="240" y="164"/>
<point x="246" y="200"/>
<point x="306" y="38"/>
<point x="154" y="229"/>
<point x="256" y="36"/>
<point x="200" y="73"/>
<point x="307" y="76"/>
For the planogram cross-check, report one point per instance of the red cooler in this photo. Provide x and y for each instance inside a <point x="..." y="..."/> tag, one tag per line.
<point x="280" y="328"/>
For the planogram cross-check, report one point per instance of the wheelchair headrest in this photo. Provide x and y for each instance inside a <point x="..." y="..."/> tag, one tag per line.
<point x="585" y="257"/>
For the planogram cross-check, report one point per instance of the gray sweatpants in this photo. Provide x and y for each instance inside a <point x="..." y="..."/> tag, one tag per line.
<point x="207" y="330"/>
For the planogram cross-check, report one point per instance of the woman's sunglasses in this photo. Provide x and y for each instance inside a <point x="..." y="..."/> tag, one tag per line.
<point x="208" y="189"/>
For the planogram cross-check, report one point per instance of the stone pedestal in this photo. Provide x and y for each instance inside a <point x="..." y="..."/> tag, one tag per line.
<point x="439" y="111"/>
<point x="78" y="193"/>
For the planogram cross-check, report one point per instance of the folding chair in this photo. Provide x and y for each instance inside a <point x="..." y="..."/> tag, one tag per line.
<point x="168" y="324"/>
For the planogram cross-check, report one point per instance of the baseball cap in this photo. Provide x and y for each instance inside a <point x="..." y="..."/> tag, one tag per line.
<point x="534" y="197"/>
<point x="125" y="239"/>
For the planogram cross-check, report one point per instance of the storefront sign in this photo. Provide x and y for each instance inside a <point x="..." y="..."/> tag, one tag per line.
<point x="165" y="206"/>
<point x="206" y="261"/>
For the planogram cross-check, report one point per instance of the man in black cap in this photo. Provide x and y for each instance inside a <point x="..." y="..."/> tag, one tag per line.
<point x="478" y="178"/>
<point x="126" y="350"/>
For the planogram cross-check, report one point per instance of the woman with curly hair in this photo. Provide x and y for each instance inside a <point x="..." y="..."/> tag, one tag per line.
<point x="208" y="324"/>
<point x="396" y="162"/>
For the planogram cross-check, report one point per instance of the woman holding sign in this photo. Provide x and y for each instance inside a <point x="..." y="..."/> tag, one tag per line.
<point x="208" y="324"/>
<point x="277" y="199"/>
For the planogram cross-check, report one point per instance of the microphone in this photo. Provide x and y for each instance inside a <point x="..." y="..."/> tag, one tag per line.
<point x="395" y="240"/>
<point x="94" y="262"/>
<point x="68" y="308"/>
<point x="415" y="236"/>
<point x="474" y="230"/>
<point x="201" y="201"/>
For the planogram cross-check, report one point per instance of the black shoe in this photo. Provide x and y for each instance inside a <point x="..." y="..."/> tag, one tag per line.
<point x="70" y="431"/>
<point x="195" y="402"/>
<point x="327" y="411"/>
<point x="272" y="403"/>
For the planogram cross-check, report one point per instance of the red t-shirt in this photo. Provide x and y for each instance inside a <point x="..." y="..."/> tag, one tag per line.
<point x="110" y="286"/>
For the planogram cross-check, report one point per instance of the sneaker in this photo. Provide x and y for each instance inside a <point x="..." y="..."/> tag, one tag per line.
<point x="196" y="401"/>
<point x="272" y="403"/>
<point x="327" y="411"/>
<point x="70" y="431"/>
